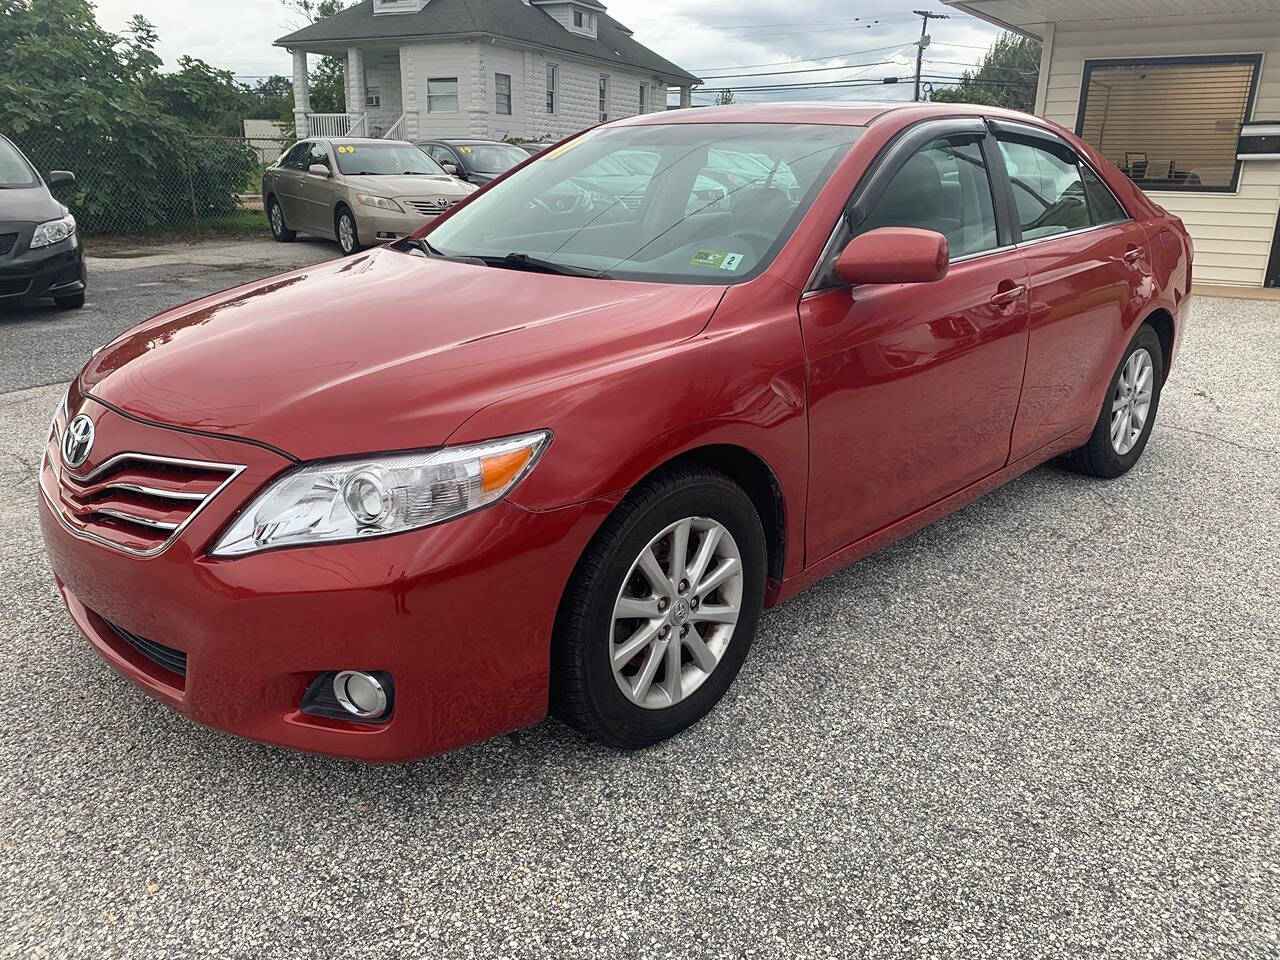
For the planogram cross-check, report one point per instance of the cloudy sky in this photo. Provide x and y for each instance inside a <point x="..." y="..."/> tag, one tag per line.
<point x="707" y="38"/>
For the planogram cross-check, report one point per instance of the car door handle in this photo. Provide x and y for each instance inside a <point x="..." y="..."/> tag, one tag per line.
<point x="1006" y="297"/>
<point x="1132" y="254"/>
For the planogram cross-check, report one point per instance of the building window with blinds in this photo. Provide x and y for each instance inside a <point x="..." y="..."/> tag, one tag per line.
<point x="1170" y="123"/>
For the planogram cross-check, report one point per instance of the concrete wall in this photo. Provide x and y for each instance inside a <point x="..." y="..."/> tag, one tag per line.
<point x="1232" y="231"/>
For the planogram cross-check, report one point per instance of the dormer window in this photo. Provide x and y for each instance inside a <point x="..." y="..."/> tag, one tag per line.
<point x="577" y="17"/>
<point x="398" y="6"/>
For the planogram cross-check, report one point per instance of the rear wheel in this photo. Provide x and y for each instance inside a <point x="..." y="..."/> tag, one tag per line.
<point x="661" y="611"/>
<point x="275" y="216"/>
<point x="345" y="229"/>
<point x="1129" y="412"/>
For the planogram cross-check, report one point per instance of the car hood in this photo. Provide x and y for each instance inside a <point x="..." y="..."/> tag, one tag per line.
<point x="29" y="205"/>
<point x="382" y="351"/>
<point x="424" y="186"/>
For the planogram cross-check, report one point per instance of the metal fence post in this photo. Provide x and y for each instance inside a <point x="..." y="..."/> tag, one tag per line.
<point x="191" y="189"/>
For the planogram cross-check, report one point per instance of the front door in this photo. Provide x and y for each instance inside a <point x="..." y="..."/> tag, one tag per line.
<point x="319" y="194"/>
<point x="913" y="388"/>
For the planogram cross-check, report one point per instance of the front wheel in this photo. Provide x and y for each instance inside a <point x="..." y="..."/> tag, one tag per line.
<point x="661" y="611"/>
<point x="347" y="232"/>
<point x="1128" y="413"/>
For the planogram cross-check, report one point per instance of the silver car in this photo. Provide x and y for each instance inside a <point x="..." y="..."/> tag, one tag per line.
<point x="359" y="192"/>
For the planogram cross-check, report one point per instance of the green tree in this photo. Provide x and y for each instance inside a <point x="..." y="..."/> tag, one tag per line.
<point x="1005" y="77"/>
<point x="207" y="100"/>
<point x="272" y="99"/>
<point x="328" y="79"/>
<point x="77" y="97"/>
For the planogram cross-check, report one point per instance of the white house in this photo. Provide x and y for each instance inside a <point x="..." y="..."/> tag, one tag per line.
<point x="533" y="69"/>
<point x="1185" y="97"/>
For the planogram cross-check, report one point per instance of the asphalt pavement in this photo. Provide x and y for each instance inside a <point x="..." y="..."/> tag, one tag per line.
<point x="1046" y="726"/>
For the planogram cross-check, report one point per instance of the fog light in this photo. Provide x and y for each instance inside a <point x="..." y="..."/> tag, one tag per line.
<point x="360" y="694"/>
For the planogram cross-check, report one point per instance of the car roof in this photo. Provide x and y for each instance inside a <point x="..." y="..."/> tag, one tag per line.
<point x="847" y="113"/>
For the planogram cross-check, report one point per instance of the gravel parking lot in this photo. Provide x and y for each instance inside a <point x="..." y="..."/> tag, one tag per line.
<point x="1045" y="726"/>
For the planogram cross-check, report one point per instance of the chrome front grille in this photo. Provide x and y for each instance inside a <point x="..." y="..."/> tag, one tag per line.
<point x="134" y="502"/>
<point x="429" y="208"/>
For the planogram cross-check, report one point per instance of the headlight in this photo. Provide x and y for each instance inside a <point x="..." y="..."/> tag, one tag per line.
<point x="382" y="203"/>
<point x="374" y="496"/>
<point x="53" y="231"/>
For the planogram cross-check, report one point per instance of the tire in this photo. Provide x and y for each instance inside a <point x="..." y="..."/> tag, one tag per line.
<point x="586" y="691"/>
<point x="279" y="229"/>
<point x="1107" y="456"/>
<point x="72" y="301"/>
<point x="347" y="232"/>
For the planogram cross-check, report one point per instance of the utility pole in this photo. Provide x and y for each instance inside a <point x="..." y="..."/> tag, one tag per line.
<point x="925" y="16"/>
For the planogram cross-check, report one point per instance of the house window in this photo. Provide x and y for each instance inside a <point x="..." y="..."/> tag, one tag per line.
<point x="604" y="98"/>
<point x="502" y="93"/>
<point x="442" y="95"/>
<point x="577" y="18"/>
<point x="1170" y="123"/>
<point x="644" y="98"/>
<point x="552" y="70"/>
<point x="373" y="97"/>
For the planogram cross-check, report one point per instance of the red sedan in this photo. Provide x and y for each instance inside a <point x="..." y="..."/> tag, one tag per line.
<point x="559" y="449"/>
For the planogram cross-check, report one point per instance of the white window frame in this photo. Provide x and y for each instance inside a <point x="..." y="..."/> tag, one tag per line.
<point x="644" y="97"/>
<point x="498" y="94"/>
<point x="457" y="102"/>
<point x="553" y="84"/>
<point x="604" y="98"/>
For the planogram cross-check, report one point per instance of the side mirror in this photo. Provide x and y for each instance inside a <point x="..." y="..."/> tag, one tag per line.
<point x="318" y="170"/>
<point x="60" y="178"/>
<point x="894" y="255"/>
<point x="450" y="168"/>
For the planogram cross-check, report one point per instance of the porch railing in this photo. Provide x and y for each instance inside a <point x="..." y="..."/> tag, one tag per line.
<point x="397" y="130"/>
<point x="338" y="124"/>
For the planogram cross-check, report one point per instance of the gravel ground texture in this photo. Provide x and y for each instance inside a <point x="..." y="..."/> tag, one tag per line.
<point x="1046" y="726"/>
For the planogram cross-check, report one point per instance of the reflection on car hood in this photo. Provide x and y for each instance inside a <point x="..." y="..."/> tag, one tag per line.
<point x="382" y="351"/>
<point x="29" y="205"/>
<point x="422" y="186"/>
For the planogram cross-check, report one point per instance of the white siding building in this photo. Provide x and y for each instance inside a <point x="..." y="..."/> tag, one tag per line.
<point x="527" y="69"/>
<point x="1184" y="95"/>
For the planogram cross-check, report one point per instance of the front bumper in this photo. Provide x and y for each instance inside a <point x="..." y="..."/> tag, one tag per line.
<point x="54" y="271"/>
<point x="381" y="226"/>
<point x="460" y="614"/>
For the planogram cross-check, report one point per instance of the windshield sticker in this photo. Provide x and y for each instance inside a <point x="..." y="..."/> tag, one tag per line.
<point x="717" y="258"/>
<point x="346" y="149"/>
<point x="464" y="149"/>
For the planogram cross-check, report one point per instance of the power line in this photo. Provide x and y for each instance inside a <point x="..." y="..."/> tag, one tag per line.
<point x="784" y="63"/>
<point x="781" y="73"/>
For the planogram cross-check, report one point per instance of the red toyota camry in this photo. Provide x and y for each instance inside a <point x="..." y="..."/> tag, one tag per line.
<point x="558" y="450"/>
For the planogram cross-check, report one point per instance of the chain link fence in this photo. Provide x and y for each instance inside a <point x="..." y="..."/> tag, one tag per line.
<point x="179" y="185"/>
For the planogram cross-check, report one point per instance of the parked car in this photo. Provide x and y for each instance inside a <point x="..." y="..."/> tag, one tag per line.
<point x="536" y="147"/>
<point x="476" y="161"/>
<point x="356" y="191"/>
<point x="40" y="252"/>
<point x="400" y="502"/>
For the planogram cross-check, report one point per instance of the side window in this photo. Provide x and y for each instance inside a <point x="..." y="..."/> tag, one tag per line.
<point x="443" y="155"/>
<point x="319" y="155"/>
<point x="296" y="158"/>
<point x="1047" y="189"/>
<point x="1102" y="202"/>
<point x="943" y="187"/>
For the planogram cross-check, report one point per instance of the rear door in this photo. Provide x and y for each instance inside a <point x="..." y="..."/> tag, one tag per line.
<point x="913" y="387"/>
<point x="1090" y="274"/>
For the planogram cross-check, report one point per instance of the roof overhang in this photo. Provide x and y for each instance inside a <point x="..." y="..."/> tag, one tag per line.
<point x="1029" y="17"/>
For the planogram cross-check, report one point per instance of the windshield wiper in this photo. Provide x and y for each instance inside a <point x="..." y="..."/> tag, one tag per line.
<point x="522" y="261"/>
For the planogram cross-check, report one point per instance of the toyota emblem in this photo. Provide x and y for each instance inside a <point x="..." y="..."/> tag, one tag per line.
<point x="78" y="441"/>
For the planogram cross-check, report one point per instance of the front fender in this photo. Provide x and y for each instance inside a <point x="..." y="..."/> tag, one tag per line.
<point x="738" y="383"/>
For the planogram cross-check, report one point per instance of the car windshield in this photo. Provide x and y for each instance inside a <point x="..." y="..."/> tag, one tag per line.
<point x="14" y="170"/>
<point x="491" y="157"/>
<point x="384" y="160"/>
<point x="691" y="216"/>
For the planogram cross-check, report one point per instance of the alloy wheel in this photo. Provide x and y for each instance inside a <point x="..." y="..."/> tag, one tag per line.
<point x="676" y="612"/>
<point x="1131" y="402"/>
<point x="277" y="219"/>
<point x="347" y="233"/>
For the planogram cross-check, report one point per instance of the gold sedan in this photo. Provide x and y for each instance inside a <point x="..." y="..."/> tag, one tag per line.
<point x="359" y="192"/>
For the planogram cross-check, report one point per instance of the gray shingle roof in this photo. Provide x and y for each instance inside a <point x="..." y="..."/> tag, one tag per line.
<point x="511" y="19"/>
